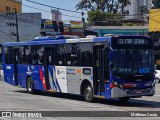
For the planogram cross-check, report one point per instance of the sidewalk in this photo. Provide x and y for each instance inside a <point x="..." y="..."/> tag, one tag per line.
<point x="1" y="78"/>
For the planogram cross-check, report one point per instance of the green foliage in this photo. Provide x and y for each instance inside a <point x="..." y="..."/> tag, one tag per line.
<point x="110" y="6"/>
<point x="104" y="12"/>
<point x="133" y="24"/>
<point x="143" y="10"/>
<point x="96" y="15"/>
<point x="122" y="4"/>
<point x="156" y="3"/>
<point x="101" y="18"/>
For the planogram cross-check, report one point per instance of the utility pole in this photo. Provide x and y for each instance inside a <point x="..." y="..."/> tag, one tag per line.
<point x="14" y="24"/>
<point x="17" y="34"/>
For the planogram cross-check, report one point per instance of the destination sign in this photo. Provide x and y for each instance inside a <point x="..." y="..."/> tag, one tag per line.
<point x="132" y="41"/>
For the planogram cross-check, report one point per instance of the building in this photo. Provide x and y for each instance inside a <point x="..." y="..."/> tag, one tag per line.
<point x="120" y="30"/>
<point x="148" y="4"/>
<point x="56" y="15"/>
<point x="134" y="8"/>
<point x="154" y="32"/>
<point x="29" y="26"/>
<point x="10" y="6"/>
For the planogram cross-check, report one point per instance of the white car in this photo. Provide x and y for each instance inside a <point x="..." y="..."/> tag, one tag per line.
<point x="157" y="76"/>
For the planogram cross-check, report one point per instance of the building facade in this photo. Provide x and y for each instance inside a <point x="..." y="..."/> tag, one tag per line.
<point x="135" y="6"/>
<point x="120" y="30"/>
<point x="56" y="15"/>
<point x="10" y="6"/>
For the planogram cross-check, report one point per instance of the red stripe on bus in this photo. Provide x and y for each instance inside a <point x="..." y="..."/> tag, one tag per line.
<point x="42" y="79"/>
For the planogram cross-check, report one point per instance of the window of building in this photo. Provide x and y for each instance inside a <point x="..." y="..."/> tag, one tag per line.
<point x="7" y="9"/>
<point x="14" y="10"/>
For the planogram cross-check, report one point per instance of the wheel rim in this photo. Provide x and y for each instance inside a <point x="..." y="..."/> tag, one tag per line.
<point x="88" y="93"/>
<point x="29" y="86"/>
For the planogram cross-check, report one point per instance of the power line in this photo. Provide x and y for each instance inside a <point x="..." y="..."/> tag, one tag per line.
<point x="48" y="11"/>
<point x="53" y="7"/>
<point x="8" y="35"/>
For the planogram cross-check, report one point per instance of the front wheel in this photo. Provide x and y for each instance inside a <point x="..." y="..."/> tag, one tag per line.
<point x="124" y="99"/>
<point x="88" y="93"/>
<point x="30" y="86"/>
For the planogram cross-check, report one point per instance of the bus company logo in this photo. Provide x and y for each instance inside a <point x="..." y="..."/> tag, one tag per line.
<point x="60" y="72"/>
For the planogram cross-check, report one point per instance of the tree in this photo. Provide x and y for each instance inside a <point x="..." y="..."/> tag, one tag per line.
<point x="96" y="16"/>
<point x="143" y="10"/>
<point x="156" y="3"/>
<point x="101" y="18"/>
<point x="92" y="5"/>
<point x="122" y="4"/>
<point x="103" y="12"/>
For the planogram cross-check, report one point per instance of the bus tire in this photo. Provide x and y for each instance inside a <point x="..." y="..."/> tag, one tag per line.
<point x="124" y="99"/>
<point x="88" y="93"/>
<point x="30" y="86"/>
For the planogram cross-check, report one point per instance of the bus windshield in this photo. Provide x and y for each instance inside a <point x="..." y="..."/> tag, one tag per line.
<point x="133" y="61"/>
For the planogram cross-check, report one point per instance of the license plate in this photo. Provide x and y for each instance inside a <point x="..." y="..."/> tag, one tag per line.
<point x="138" y="91"/>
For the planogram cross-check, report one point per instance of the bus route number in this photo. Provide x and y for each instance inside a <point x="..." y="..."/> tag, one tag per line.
<point x="131" y="41"/>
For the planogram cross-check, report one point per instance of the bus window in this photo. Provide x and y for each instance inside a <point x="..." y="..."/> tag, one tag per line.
<point x="25" y="55"/>
<point x="38" y="54"/>
<point x="8" y="55"/>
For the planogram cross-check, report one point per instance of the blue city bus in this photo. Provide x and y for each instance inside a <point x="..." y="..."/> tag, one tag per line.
<point x="106" y="67"/>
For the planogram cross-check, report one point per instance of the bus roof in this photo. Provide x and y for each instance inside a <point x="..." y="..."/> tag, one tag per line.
<point x="44" y="41"/>
<point x="64" y="40"/>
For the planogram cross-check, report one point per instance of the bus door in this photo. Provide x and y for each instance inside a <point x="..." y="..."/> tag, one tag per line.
<point x="48" y="67"/>
<point x="98" y="70"/>
<point x="15" y="64"/>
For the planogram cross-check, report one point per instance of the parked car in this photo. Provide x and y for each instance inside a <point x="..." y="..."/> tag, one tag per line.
<point x="157" y="76"/>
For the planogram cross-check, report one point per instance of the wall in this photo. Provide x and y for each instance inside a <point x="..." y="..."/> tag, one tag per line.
<point x="121" y="30"/>
<point x="29" y="25"/>
<point x="12" y="4"/>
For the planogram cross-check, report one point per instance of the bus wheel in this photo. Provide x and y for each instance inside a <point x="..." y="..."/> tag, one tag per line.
<point x="124" y="99"/>
<point x="30" y="85"/>
<point x="88" y="93"/>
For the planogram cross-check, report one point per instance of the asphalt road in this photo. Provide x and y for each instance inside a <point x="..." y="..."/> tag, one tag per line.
<point x="16" y="99"/>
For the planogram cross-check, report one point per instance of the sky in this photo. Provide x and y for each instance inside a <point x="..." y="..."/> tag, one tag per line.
<point x="64" y="4"/>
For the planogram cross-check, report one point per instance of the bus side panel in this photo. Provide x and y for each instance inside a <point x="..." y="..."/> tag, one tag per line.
<point x="108" y="89"/>
<point x="61" y="79"/>
<point x="52" y="78"/>
<point x="37" y="74"/>
<point x="23" y="75"/>
<point x="9" y="74"/>
<point x="75" y="77"/>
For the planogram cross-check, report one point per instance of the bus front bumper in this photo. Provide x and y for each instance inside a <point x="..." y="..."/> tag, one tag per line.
<point x="117" y="92"/>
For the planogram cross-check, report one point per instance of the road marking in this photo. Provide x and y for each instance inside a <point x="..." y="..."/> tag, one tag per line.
<point x="157" y="89"/>
<point x="89" y="105"/>
<point x="1" y="118"/>
<point x="156" y="95"/>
